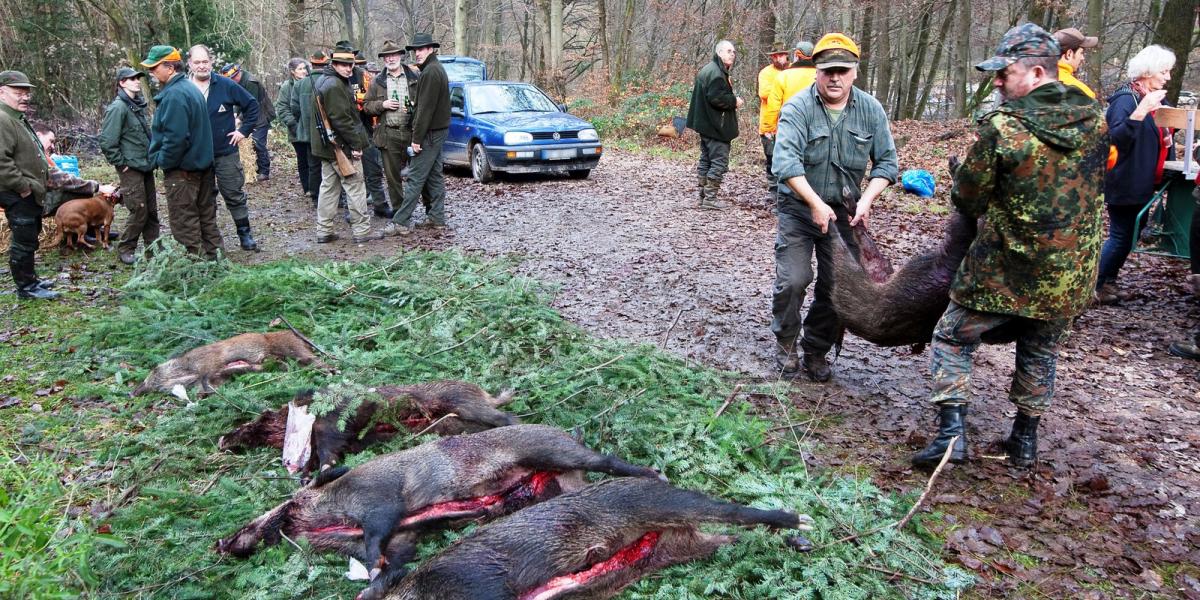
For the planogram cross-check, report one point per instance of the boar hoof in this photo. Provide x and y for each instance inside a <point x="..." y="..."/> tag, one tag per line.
<point x="800" y="543"/>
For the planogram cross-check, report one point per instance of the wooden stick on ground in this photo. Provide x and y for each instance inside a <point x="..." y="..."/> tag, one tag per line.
<point x="737" y="389"/>
<point x="912" y="511"/>
<point x="304" y="338"/>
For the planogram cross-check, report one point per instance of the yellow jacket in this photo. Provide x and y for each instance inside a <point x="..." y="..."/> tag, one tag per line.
<point x="787" y="84"/>
<point x="766" y="81"/>
<point x="1066" y="74"/>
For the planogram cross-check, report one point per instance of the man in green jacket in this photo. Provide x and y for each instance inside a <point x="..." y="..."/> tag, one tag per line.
<point x="125" y="141"/>
<point x="831" y="136"/>
<point x="297" y="72"/>
<point x="181" y="145"/>
<point x="431" y="123"/>
<point x="1034" y="175"/>
<point x="713" y="115"/>
<point x="335" y="104"/>
<point x="23" y="172"/>
<point x="390" y="99"/>
<point x="303" y="107"/>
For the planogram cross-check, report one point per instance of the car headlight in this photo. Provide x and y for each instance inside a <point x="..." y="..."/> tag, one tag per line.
<point x="589" y="135"/>
<point x="517" y="137"/>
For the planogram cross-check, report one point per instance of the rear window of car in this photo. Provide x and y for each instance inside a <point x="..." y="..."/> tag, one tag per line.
<point x="463" y="71"/>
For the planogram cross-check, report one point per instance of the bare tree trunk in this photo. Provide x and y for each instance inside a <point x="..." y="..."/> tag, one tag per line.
<point x="884" y="53"/>
<point x="602" y="25"/>
<point x="348" y="23"/>
<point x="555" y="39"/>
<point x="460" y="27"/>
<point x="939" y="43"/>
<point x="1095" y="23"/>
<point x="868" y="31"/>
<point x="910" y="95"/>
<point x="363" y="32"/>
<point x="1175" y="32"/>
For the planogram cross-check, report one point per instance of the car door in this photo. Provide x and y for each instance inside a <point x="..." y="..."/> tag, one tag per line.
<point x="455" y="149"/>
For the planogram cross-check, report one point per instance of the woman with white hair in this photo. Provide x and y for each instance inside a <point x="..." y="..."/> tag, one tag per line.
<point x="1141" y="149"/>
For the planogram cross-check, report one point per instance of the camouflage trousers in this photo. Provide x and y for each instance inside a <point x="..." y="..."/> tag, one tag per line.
<point x="959" y="333"/>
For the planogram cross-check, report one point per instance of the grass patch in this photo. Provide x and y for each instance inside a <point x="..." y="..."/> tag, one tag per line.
<point x="415" y="317"/>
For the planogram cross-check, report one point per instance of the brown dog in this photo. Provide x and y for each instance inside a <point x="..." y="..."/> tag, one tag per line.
<point x="79" y="215"/>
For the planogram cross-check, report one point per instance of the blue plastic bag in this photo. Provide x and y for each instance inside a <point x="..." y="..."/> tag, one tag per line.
<point x="918" y="181"/>
<point x="66" y="162"/>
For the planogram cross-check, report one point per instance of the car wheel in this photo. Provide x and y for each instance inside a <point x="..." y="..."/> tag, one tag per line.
<point x="481" y="169"/>
<point x="579" y="173"/>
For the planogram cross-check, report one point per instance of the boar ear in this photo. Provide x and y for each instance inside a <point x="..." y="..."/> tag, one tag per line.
<point x="328" y="475"/>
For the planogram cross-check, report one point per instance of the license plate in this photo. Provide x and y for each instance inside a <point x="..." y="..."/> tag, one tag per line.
<point x="558" y="154"/>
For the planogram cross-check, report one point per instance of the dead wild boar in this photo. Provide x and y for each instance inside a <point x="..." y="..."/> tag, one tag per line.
<point x="213" y="364"/>
<point x="586" y="544"/>
<point x="902" y="308"/>
<point x="376" y="511"/>
<point x="443" y="407"/>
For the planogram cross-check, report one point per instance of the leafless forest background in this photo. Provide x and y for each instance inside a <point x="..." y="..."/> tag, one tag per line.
<point x="917" y="53"/>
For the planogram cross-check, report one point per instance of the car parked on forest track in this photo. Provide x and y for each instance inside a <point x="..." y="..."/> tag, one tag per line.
<point x="514" y="127"/>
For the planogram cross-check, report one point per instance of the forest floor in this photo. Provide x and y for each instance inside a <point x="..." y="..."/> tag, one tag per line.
<point x="1112" y="509"/>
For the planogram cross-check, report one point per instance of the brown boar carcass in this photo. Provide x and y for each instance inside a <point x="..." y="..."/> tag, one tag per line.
<point x="213" y="364"/>
<point x="587" y="544"/>
<point x="902" y="308"/>
<point x="442" y="407"/>
<point x="376" y="511"/>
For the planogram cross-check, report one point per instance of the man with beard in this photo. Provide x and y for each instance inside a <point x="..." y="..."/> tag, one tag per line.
<point x="223" y="97"/>
<point x="828" y="135"/>
<point x="181" y="144"/>
<point x="778" y="61"/>
<point x="390" y="100"/>
<point x="125" y="141"/>
<point x="1034" y="174"/>
<point x="431" y="123"/>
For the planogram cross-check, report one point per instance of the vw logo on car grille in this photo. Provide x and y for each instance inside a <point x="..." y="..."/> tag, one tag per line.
<point x="557" y="135"/>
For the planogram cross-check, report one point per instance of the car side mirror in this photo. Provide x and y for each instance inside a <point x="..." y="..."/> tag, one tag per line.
<point x="562" y="107"/>
<point x="456" y="111"/>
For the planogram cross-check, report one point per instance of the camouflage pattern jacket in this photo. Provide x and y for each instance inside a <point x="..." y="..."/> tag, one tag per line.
<point x="1035" y="173"/>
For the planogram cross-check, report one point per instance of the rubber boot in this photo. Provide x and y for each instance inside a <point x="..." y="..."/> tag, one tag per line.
<point x="244" y="237"/>
<point x="952" y="421"/>
<point x="711" y="202"/>
<point x="35" y="292"/>
<point x="1021" y="444"/>
<point x="702" y="185"/>
<point x="786" y="359"/>
<point x="817" y="367"/>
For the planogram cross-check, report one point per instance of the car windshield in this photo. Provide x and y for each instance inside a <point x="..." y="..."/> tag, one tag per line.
<point x="508" y="98"/>
<point x="463" y="71"/>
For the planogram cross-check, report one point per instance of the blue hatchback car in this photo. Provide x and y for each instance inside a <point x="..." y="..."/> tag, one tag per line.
<point x="516" y="128"/>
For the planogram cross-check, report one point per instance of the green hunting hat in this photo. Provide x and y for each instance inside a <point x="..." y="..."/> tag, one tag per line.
<point x="1026" y="40"/>
<point x="423" y="40"/>
<point x="344" y="45"/>
<point x="777" y="48"/>
<point x="391" y="47"/>
<point x="15" y="79"/>
<point x="359" y="59"/>
<point x="804" y="50"/>
<point x="318" y="58"/>
<point x="158" y="54"/>
<point x="126" y="73"/>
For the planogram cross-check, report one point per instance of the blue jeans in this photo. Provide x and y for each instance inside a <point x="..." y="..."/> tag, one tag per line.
<point x="1121" y="238"/>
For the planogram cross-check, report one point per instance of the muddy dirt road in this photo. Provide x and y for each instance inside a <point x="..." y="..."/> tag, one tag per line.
<point x="1112" y="510"/>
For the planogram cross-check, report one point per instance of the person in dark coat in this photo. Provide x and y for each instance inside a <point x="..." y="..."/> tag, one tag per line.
<point x="713" y="115"/>
<point x="266" y="114"/>
<point x="1142" y="148"/>
<point x="181" y="144"/>
<point x="224" y="99"/>
<point x="297" y="72"/>
<point x="302" y="105"/>
<point x="125" y="141"/>
<point x="431" y="123"/>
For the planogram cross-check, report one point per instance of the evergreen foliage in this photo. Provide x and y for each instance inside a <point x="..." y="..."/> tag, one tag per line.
<point x="418" y="317"/>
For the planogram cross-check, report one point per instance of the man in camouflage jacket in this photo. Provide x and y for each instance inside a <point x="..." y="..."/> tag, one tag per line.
<point x="1034" y="175"/>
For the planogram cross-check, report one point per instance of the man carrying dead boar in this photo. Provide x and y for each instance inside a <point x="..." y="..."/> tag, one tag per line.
<point x="827" y="136"/>
<point x="1035" y="175"/>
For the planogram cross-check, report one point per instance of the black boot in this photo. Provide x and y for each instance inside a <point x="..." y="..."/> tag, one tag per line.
<point x="384" y="210"/>
<point x="34" y="291"/>
<point x="244" y="237"/>
<point x="1021" y="444"/>
<point x="952" y="421"/>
